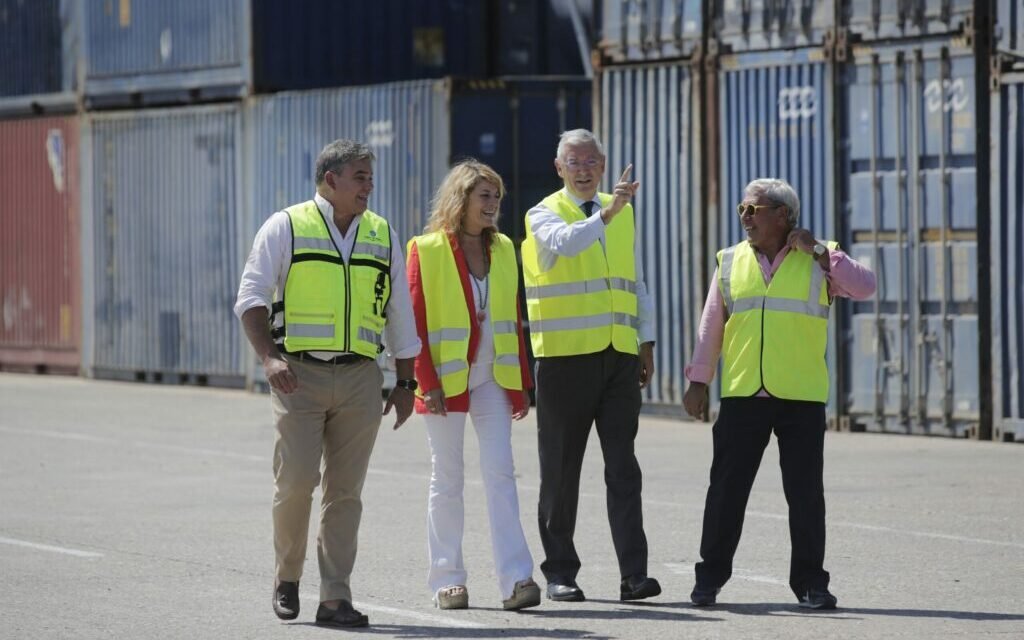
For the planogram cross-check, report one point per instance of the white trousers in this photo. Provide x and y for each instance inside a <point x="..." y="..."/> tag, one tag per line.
<point x="491" y="412"/>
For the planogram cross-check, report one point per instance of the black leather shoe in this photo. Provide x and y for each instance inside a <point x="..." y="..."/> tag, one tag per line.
<point x="818" y="599"/>
<point x="703" y="596"/>
<point x="286" y="600"/>
<point x="343" y="616"/>
<point x="567" y="591"/>
<point x="638" y="587"/>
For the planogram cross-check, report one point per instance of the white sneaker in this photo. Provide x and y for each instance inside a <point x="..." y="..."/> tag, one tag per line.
<point x="452" y="597"/>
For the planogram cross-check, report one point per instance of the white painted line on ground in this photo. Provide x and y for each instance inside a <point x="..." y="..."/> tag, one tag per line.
<point x="681" y="569"/>
<point x="442" y="621"/>
<point x="47" y="547"/>
<point x="522" y="486"/>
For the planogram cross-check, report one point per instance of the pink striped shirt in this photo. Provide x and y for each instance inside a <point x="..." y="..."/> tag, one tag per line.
<point x="846" y="277"/>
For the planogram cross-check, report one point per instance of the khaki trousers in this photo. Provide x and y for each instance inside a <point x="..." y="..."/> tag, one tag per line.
<point x="333" y="416"/>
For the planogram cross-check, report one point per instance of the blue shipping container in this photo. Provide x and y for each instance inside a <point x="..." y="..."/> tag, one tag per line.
<point x="1009" y="27"/>
<point x="776" y="121"/>
<point x="165" y="51"/>
<point x="909" y="189"/>
<point x="751" y="25"/>
<point x="1007" y="200"/>
<point x="296" y="43"/>
<point x="164" y="243"/>
<point x="38" y="39"/>
<point x="643" y="30"/>
<point x="651" y="118"/>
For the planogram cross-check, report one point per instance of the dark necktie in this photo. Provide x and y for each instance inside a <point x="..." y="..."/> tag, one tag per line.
<point x="588" y="207"/>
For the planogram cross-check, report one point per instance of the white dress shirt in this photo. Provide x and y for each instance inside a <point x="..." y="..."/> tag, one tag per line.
<point x="266" y="272"/>
<point x="556" y="238"/>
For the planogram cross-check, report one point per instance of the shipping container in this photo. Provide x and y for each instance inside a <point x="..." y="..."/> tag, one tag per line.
<point x="1007" y="255"/>
<point x="417" y="130"/>
<point x="140" y="52"/>
<point x="165" y="247"/>
<point x="39" y="41"/>
<point x="650" y="116"/>
<point x="867" y="20"/>
<point x="543" y="37"/>
<point x="909" y="189"/>
<point x="649" y="30"/>
<point x="751" y="25"/>
<point x="296" y="45"/>
<point x="40" y="285"/>
<point x="775" y="120"/>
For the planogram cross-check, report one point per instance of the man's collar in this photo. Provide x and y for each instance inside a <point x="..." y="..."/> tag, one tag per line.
<point x="579" y="201"/>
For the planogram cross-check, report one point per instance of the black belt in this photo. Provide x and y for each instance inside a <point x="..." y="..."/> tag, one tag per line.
<point x="348" y="358"/>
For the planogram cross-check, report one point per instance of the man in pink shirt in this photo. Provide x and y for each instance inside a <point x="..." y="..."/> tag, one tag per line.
<point x="767" y="315"/>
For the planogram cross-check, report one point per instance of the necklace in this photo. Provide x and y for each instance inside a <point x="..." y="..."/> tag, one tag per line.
<point x="482" y="290"/>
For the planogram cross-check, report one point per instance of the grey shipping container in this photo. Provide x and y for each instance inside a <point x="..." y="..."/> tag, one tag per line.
<point x="1007" y="255"/>
<point x="649" y="30"/>
<point x="417" y="129"/>
<point x="651" y="117"/>
<point x="1008" y="25"/>
<point x="867" y="20"/>
<point x="39" y="42"/>
<point x="162" y="240"/>
<point x="750" y="25"/>
<point x="142" y="51"/>
<point x="775" y="121"/>
<point x="909" y="190"/>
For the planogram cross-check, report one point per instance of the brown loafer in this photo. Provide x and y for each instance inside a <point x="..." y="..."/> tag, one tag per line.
<point x="343" y="616"/>
<point x="286" y="600"/>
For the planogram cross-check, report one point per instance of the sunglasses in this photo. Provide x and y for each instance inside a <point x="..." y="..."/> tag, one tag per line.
<point x="752" y="209"/>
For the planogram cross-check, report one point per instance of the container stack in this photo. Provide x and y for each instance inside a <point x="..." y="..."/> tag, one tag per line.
<point x="192" y="122"/>
<point x="648" y="94"/>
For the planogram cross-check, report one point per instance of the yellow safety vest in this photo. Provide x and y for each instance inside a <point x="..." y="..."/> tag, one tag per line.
<point x="586" y="302"/>
<point x="775" y="335"/>
<point x="328" y="304"/>
<point x="448" y="321"/>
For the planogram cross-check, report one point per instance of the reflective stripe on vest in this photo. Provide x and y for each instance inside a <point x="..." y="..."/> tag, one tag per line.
<point x="448" y="321"/>
<point x="586" y="302"/>
<point x="329" y="305"/>
<point x="775" y="334"/>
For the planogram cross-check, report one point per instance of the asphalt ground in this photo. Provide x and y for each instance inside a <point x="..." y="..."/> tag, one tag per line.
<point x="143" y="511"/>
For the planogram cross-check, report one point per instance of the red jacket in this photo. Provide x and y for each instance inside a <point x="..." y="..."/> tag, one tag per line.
<point x="426" y="375"/>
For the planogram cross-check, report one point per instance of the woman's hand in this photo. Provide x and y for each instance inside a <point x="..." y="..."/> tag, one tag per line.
<point x="434" y="401"/>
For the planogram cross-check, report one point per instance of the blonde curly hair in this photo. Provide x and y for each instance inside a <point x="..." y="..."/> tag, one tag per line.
<point x="448" y="208"/>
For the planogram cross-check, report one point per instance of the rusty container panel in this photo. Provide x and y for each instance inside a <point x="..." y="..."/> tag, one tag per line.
<point x="40" y="284"/>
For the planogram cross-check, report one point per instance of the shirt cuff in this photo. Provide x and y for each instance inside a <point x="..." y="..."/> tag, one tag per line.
<point x="408" y="351"/>
<point x="244" y="304"/>
<point x="699" y="373"/>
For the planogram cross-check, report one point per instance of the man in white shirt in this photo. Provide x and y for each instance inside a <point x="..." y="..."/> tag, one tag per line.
<point x="592" y="332"/>
<point x="324" y="285"/>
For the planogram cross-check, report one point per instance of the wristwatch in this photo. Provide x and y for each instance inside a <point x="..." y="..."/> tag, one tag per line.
<point x="819" y="249"/>
<point x="409" y="384"/>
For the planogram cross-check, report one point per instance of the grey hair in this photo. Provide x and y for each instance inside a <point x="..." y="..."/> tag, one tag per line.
<point x="337" y="154"/>
<point x="779" y="192"/>
<point x="576" y="137"/>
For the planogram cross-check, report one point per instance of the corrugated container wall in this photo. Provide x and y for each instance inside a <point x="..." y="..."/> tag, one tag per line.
<point x="1009" y="27"/>
<point x="909" y="185"/>
<point x="643" y="30"/>
<point x="38" y="39"/>
<point x="406" y="124"/>
<point x="873" y="20"/>
<point x="181" y="50"/>
<point x="750" y="25"/>
<point x="40" y="273"/>
<point x="776" y="121"/>
<point x="1007" y="252"/>
<point x="166" y="250"/>
<point x="296" y="43"/>
<point x="651" y="117"/>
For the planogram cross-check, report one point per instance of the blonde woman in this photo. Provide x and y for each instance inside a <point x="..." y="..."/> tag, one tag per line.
<point x="464" y="281"/>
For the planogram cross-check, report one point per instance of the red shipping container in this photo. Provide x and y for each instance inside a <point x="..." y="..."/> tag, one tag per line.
<point x="40" y="262"/>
